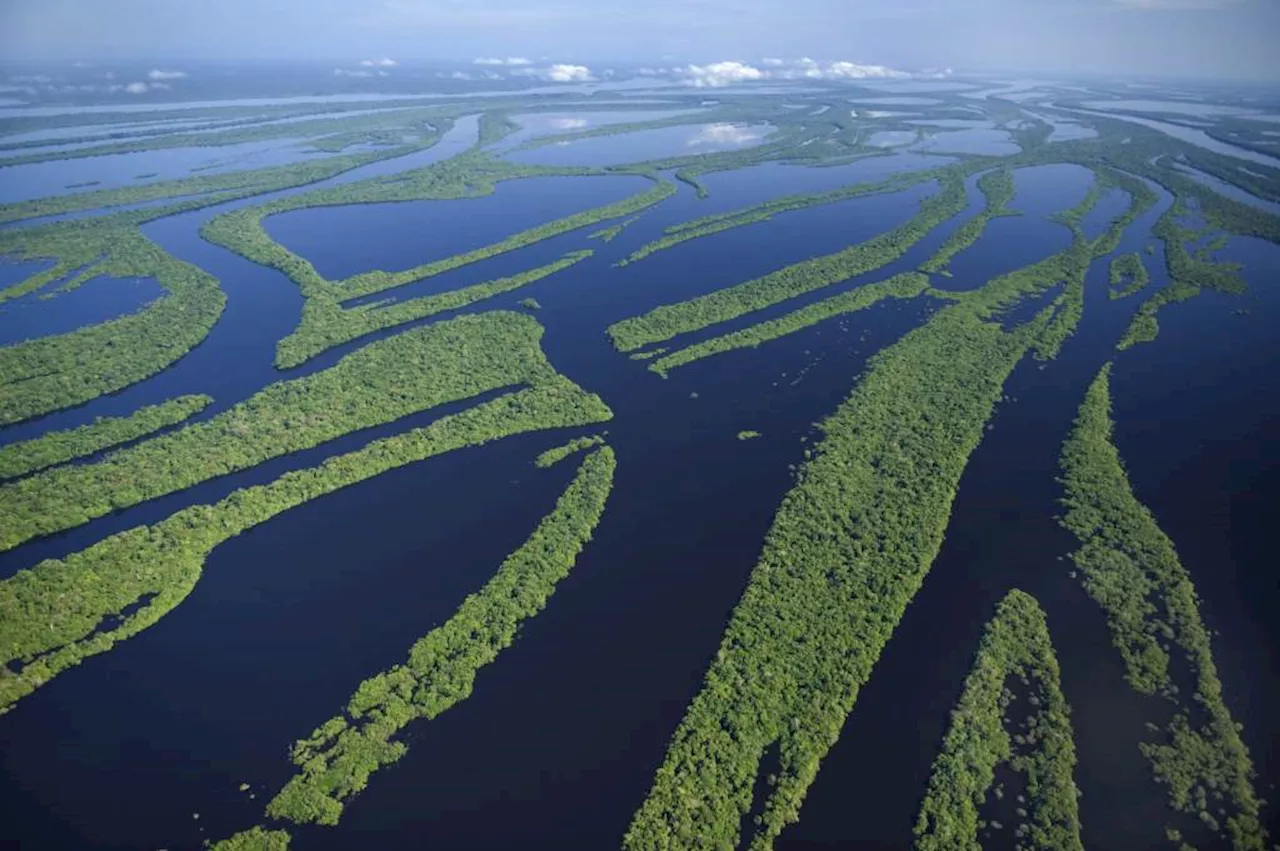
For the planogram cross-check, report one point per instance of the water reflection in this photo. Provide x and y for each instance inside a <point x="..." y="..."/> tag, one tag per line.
<point x="645" y="145"/>
<point x="974" y="141"/>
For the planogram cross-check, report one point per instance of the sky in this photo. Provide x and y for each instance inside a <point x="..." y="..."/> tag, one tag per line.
<point x="1152" y="38"/>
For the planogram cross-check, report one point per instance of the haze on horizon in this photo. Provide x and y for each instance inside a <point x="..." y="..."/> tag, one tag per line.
<point x="1175" y="38"/>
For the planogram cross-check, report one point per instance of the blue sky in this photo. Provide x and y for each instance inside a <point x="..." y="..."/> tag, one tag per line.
<point x="1188" y="38"/>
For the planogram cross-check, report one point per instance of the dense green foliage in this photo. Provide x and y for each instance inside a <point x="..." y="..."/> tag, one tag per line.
<point x="465" y="176"/>
<point x="62" y="611"/>
<point x="667" y="321"/>
<point x="554" y="456"/>
<point x="46" y="374"/>
<point x="390" y="379"/>
<point x="906" y="285"/>
<point x="1144" y="327"/>
<point x="256" y="839"/>
<point x="848" y="549"/>
<point x="1130" y="568"/>
<point x="336" y="760"/>
<point x="1188" y="274"/>
<point x="708" y="225"/>
<point x="326" y="323"/>
<point x="43" y="375"/>
<point x="1128" y="275"/>
<point x="52" y="448"/>
<point x="1015" y="645"/>
<point x="612" y="232"/>
<point x="997" y="190"/>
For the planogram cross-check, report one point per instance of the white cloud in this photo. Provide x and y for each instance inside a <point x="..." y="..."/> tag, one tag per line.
<point x="137" y="88"/>
<point x="720" y="73"/>
<point x="569" y="74"/>
<point x="510" y="61"/>
<point x="343" y="72"/>
<point x="569" y="123"/>
<point x="726" y="73"/>
<point x="384" y="62"/>
<point x="810" y="69"/>
<point x="726" y="134"/>
<point x="558" y="73"/>
<point x="158" y="74"/>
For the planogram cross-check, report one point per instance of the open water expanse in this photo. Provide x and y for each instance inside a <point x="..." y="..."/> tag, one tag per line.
<point x="146" y="746"/>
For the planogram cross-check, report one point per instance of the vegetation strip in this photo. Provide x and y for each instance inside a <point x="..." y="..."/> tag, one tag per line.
<point x="1068" y="267"/>
<point x="62" y="611"/>
<point x="325" y="323"/>
<point x="390" y="379"/>
<point x="906" y="285"/>
<point x="849" y="547"/>
<point x="1015" y="645"/>
<point x="242" y="231"/>
<point x="50" y="373"/>
<point x="1130" y="568"/>
<point x="256" y="839"/>
<point x="669" y="321"/>
<point x="998" y="189"/>
<point x="336" y="760"/>
<point x="554" y="456"/>
<point x="714" y="224"/>
<point x="211" y="188"/>
<point x="58" y="447"/>
<point x="1188" y="274"/>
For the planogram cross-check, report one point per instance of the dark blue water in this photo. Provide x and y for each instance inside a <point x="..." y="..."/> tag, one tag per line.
<point x="698" y="266"/>
<point x="1002" y="535"/>
<point x="45" y="311"/>
<point x="225" y="716"/>
<point x="646" y="145"/>
<point x="728" y="190"/>
<point x="557" y="746"/>
<point x="263" y="306"/>
<point x="347" y="240"/>
<point x="1197" y="434"/>
<point x="1111" y="205"/>
<point x="1011" y="242"/>
<point x="15" y="272"/>
<point x="1198" y="424"/>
